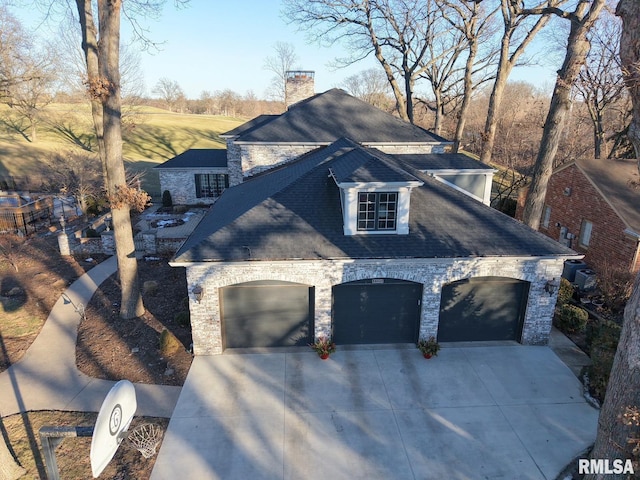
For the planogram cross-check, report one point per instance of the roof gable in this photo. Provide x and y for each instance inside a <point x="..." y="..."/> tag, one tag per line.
<point x="294" y="212"/>
<point x="198" y="158"/>
<point x="328" y="116"/>
<point x="618" y="182"/>
<point x="368" y="166"/>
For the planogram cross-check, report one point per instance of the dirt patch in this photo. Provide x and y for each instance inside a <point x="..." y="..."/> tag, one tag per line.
<point x="33" y="275"/>
<point x="133" y="351"/>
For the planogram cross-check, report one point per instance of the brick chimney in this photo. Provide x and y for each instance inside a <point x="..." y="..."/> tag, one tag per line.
<point x="299" y="86"/>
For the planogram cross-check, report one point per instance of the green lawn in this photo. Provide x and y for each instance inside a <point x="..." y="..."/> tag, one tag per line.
<point x="151" y="136"/>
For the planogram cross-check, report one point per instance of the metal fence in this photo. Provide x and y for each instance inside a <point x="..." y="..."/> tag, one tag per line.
<point x="26" y="222"/>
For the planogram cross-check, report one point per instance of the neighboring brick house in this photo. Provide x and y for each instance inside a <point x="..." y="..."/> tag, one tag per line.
<point x="343" y="220"/>
<point x="196" y="176"/>
<point x="593" y="206"/>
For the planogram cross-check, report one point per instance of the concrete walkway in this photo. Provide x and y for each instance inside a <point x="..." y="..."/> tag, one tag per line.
<point x="47" y="378"/>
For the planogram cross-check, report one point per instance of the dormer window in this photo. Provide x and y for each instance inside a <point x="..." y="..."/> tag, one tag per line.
<point x="377" y="211"/>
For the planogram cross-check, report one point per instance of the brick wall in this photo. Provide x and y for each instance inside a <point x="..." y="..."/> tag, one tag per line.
<point x="572" y="199"/>
<point x="323" y="275"/>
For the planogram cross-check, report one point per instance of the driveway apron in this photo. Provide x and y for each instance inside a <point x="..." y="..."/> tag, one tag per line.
<point x="485" y="412"/>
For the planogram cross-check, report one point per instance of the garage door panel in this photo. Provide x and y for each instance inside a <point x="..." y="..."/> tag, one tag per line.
<point x="367" y="313"/>
<point x="482" y="309"/>
<point x="270" y="315"/>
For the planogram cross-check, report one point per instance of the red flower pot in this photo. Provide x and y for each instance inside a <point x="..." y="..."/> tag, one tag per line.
<point x="324" y="356"/>
<point x="427" y="355"/>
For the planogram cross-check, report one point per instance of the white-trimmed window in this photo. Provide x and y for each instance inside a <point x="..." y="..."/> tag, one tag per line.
<point x="546" y="216"/>
<point x="210" y="185"/>
<point x="377" y="210"/>
<point x="585" y="233"/>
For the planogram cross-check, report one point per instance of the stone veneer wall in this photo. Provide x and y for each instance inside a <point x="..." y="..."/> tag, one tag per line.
<point x="432" y="273"/>
<point x="247" y="160"/>
<point x="182" y="184"/>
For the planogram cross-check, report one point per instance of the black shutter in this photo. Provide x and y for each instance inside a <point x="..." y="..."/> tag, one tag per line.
<point x="198" y="192"/>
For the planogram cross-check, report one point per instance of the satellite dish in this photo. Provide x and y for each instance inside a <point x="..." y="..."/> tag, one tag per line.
<point x="113" y="420"/>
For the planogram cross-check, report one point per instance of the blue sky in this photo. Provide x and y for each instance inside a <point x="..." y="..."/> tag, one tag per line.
<point x="215" y="45"/>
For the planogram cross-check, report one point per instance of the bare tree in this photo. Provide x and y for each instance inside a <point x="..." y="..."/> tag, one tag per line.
<point x="370" y="86"/>
<point x="476" y="24"/>
<point x="396" y="33"/>
<point x="582" y="19"/>
<point x="518" y="33"/>
<point x="600" y="82"/>
<point x="15" y="45"/>
<point x="169" y="91"/>
<point x="75" y="173"/>
<point x="279" y="64"/>
<point x="27" y="74"/>
<point x="619" y="423"/>
<point x="29" y="97"/>
<point x="443" y="73"/>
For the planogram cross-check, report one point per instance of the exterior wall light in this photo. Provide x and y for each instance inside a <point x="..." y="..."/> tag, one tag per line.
<point x="198" y="293"/>
<point x="550" y="286"/>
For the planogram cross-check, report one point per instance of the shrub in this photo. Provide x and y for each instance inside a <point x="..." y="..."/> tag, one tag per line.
<point x="180" y="209"/>
<point x="169" y="343"/>
<point x="182" y="318"/>
<point x="571" y="318"/>
<point x="615" y="285"/>
<point x="603" y="340"/>
<point x="167" y="201"/>
<point x="565" y="292"/>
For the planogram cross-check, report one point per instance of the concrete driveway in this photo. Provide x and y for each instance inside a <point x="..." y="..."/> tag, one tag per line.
<point x="481" y="412"/>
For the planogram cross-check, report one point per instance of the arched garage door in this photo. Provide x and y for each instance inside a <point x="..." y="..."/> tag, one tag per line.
<point x="266" y="314"/>
<point x="482" y="309"/>
<point x="376" y="311"/>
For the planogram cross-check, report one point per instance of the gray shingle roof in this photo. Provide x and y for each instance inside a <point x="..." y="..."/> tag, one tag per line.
<point x="328" y="116"/>
<point x="198" y="158"/>
<point x="366" y="166"/>
<point x="441" y="161"/>
<point x="294" y="212"/>
<point x="250" y="125"/>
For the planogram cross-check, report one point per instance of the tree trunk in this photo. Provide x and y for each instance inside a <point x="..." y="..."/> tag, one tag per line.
<point x="466" y="97"/>
<point x="623" y="390"/>
<point x="9" y="468"/>
<point x="437" y="123"/>
<point x="502" y="75"/>
<point x="506" y="63"/>
<point x="109" y="62"/>
<point x="90" y="49"/>
<point x="629" y="11"/>
<point x="104" y="87"/>
<point x="577" y="50"/>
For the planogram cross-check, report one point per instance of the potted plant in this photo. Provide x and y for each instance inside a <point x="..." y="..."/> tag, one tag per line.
<point x="429" y="347"/>
<point x="323" y="346"/>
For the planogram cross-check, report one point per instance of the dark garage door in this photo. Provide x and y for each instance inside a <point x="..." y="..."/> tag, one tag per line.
<point x="482" y="309"/>
<point x="267" y="314"/>
<point x="376" y="311"/>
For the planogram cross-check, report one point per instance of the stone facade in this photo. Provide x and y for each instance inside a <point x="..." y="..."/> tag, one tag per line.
<point x="299" y="86"/>
<point x="181" y="184"/>
<point x="323" y="275"/>
<point x="249" y="159"/>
